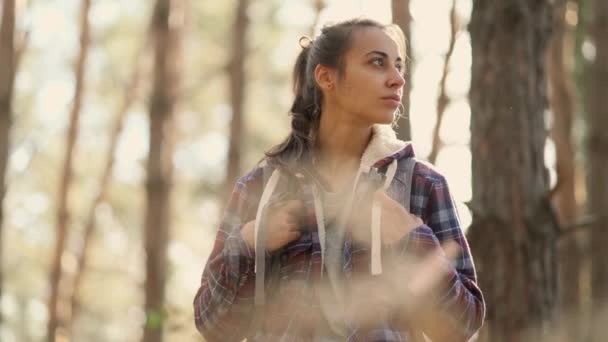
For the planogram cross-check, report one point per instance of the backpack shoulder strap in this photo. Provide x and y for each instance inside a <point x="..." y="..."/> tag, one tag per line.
<point x="410" y="163"/>
<point x="266" y="171"/>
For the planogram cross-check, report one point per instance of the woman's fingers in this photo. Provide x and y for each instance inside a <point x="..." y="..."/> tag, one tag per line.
<point x="431" y="271"/>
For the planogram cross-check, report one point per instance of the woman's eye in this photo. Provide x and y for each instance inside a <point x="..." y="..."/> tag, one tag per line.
<point x="378" y="61"/>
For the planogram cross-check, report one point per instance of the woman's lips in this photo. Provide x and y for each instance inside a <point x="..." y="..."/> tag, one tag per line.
<point x="393" y="100"/>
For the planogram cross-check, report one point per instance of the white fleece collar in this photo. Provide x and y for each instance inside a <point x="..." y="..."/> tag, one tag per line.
<point x="383" y="143"/>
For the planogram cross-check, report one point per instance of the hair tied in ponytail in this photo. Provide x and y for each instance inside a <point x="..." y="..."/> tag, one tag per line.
<point x="327" y="49"/>
<point x="305" y="42"/>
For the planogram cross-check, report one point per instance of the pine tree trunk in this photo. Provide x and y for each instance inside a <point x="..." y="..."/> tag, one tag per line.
<point x="561" y="99"/>
<point x="166" y="23"/>
<point x="443" y="100"/>
<point x="237" y="95"/>
<point x="7" y="78"/>
<point x="597" y="154"/>
<point x="55" y="320"/>
<point x="514" y="230"/>
<point x="402" y="17"/>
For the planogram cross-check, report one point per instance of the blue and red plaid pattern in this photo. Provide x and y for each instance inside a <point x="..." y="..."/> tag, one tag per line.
<point x="224" y="304"/>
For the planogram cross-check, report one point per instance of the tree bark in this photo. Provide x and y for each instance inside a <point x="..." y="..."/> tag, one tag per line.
<point x="597" y="154"/>
<point x="561" y="99"/>
<point x="166" y="24"/>
<point x="62" y="216"/>
<point x="237" y="95"/>
<point x="7" y="78"/>
<point x="514" y="230"/>
<point x="443" y="99"/>
<point x="402" y="17"/>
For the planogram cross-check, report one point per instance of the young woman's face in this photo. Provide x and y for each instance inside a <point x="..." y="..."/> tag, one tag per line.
<point x="372" y="82"/>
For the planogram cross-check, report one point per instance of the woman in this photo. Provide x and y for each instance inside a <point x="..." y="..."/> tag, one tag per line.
<point x="339" y="234"/>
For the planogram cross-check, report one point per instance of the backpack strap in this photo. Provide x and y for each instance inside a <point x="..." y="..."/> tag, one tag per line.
<point x="410" y="163"/>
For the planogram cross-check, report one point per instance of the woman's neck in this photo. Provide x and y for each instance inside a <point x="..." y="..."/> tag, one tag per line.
<point x="341" y="142"/>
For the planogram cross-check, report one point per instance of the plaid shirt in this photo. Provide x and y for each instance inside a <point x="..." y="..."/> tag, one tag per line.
<point x="224" y="307"/>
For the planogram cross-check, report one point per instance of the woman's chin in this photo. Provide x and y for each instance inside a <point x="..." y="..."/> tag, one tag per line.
<point x="386" y="119"/>
<point x="383" y="118"/>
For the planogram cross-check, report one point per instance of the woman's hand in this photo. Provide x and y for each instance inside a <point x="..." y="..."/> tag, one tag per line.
<point x="283" y="225"/>
<point x="395" y="222"/>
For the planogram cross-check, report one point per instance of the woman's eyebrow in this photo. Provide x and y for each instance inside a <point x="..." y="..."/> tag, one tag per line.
<point x="383" y="54"/>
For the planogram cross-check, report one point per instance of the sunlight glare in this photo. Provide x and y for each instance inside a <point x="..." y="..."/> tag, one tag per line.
<point x="295" y="14"/>
<point x="104" y="14"/>
<point x="455" y="128"/>
<point x="551" y="160"/>
<point x="455" y="164"/>
<point x="132" y="149"/>
<point x="459" y="78"/>
<point x="53" y="102"/>
<point x="20" y="158"/>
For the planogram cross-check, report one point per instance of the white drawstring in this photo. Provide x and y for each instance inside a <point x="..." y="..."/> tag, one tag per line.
<point x="266" y="194"/>
<point x="260" y="238"/>
<point x="320" y="223"/>
<point x="376" y="253"/>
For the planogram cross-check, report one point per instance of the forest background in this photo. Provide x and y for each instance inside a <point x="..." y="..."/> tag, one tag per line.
<point x="123" y="125"/>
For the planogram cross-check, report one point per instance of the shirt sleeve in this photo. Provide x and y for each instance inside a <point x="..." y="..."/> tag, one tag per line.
<point x="459" y="309"/>
<point x="223" y="305"/>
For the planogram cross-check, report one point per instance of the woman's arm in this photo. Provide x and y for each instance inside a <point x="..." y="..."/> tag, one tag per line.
<point x="223" y="305"/>
<point x="455" y="310"/>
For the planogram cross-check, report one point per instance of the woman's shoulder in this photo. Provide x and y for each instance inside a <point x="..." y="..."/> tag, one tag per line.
<point x="255" y="176"/>
<point x="424" y="171"/>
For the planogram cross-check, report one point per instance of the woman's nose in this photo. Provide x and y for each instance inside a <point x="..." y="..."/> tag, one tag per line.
<point x="396" y="79"/>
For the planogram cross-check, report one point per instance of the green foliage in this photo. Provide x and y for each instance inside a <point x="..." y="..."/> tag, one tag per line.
<point x="155" y="319"/>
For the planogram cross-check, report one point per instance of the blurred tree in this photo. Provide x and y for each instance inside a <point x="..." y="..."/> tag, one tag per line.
<point x="56" y="317"/>
<point x="514" y="230"/>
<point x="561" y="99"/>
<point x="236" y="69"/>
<point x="443" y="99"/>
<point x="167" y="22"/>
<point x="597" y="154"/>
<point x="7" y="78"/>
<point x="130" y="95"/>
<point x="402" y="17"/>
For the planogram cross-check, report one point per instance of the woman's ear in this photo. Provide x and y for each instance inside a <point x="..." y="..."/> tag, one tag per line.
<point x="325" y="77"/>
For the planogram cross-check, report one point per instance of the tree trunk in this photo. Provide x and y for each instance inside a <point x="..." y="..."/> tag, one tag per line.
<point x="130" y="96"/>
<point x="402" y="17"/>
<point x="166" y="23"/>
<point x="56" y="319"/>
<point x="561" y="99"/>
<point x="443" y="100"/>
<point x="7" y="78"/>
<point x="237" y="94"/>
<point x="597" y="154"/>
<point x="514" y="230"/>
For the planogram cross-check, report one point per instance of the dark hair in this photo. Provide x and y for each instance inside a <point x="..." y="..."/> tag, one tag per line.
<point x="327" y="49"/>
